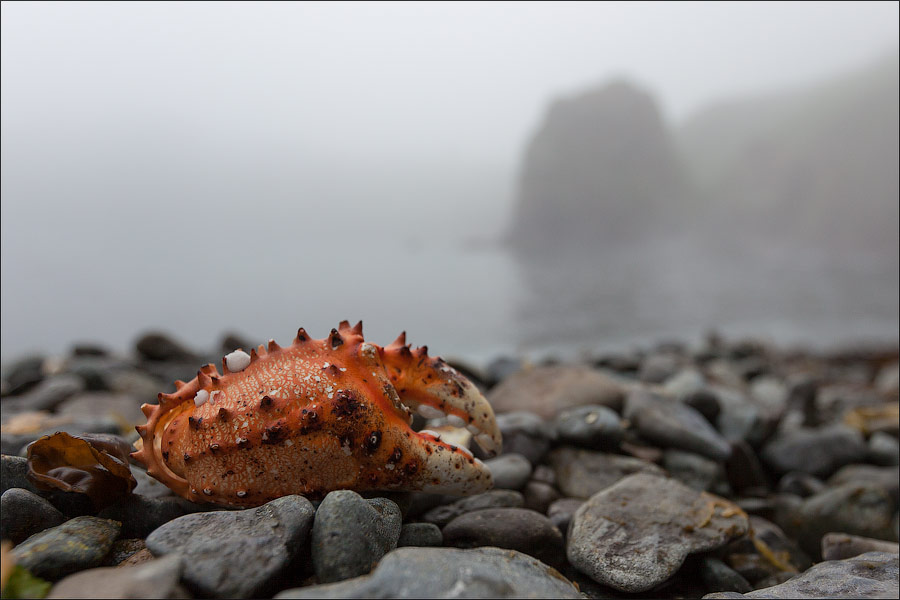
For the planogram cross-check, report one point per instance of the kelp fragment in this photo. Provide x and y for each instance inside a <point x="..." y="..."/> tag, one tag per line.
<point x="95" y="465"/>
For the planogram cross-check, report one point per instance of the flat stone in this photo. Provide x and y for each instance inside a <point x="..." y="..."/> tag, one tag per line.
<point x="441" y="515"/>
<point x="870" y="575"/>
<point x="591" y="426"/>
<point x="637" y="533"/>
<point x="583" y="473"/>
<point x="539" y="496"/>
<point x="420" y="534"/>
<point x="78" y="544"/>
<point x="691" y="469"/>
<point x="884" y="477"/>
<point x="561" y="512"/>
<point x="23" y="513"/>
<point x="449" y="573"/>
<point x="51" y="392"/>
<point x="238" y="554"/>
<point x="549" y="390"/>
<point x="838" y="546"/>
<point x="819" y="452"/>
<point x="884" y="449"/>
<point x="684" y="383"/>
<point x="141" y="515"/>
<point x="351" y="534"/>
<point x="510" y="471"/>
<point x="519" y="529"/>
<point x="671" y="424"/>
<point x="523" y="433"/>
<point x="857" y="509"/>
<point x="152" y="579"/>
<point x="716" y="575"/>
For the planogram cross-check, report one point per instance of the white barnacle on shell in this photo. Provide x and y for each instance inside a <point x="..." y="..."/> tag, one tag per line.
<point x="237" y="361"/>
<point x="201" y="398"/>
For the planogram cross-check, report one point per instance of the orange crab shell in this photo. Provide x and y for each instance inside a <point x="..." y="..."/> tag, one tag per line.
<point x="316" y="416"/>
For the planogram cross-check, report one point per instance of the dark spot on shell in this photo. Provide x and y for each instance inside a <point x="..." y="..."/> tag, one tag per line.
<point x="411" y="468"/>
<point x="207" y="491"/>
<point x="241" y="494"/>
<point x="266" y="402"/>
<point x="243" y="442"/>
<point x="186" y="457"/>
<point x="223" y="413"/>
<point x="214" y="448"/>
<point x="275" y="433"/>
<point x="345" y="404"/>
<point x="165" y="455"/>
<point x="336" y="339"/>
<point x="373" y="440"/>
<point x="396" y="455"/>
<point x="194" y="423"/>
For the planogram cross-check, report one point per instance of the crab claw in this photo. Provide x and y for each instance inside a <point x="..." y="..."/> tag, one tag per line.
<point x="435" y="389"/>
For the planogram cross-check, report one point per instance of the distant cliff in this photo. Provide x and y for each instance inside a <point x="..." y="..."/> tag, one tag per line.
<point x="601" y="168"/>
<point x="815" y="167"/>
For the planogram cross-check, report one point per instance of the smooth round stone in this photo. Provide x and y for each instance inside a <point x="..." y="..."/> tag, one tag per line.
<point x="240" y="553"/>
<point x="671" y="424"/>
<point x="351" y="534"/>
<point x="122" y="549"/>
<point x="884" y="477"/>
<point x="691" y="469"/>
<point x="863" y="510"/>
<point x="441" y="515"/>
<point x="590" y="426"/>
<point x="583" y="473"/>
<point x="51" y="392"/>
<point x="161" y="347"/>
<point x="23" y="513"/>
<point x="539" y="496"/>
<point x="716" y="575"/>
<point x="870" y="575"/>
<point x="884" y="449"/>
<point x="519" y="529"/>
<point x="449" y="573"/>
<point x="705" y="402"/>
<point x="524" y="433"/>
<point x="819" y="452"/>
<point x="548" y="390"/>
<point x="152" y="579"/>
<point x="637" y="533"/>
<point x="24" y="373"/>
<point x="510" y="471"/>
<point x="657" y="368"/>
<point x="78" y="544"/>
<point x="800" y="484"/>
<point x="420" y="534"/>
<point x="684" y="383"/>
<point x="140" y="515"/>
<point x="838" y="546"/>
<point x="108" y="404"/>
<point x="561" y="512"/>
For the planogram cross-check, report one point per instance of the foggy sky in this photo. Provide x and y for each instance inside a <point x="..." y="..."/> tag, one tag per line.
<point x="202" y="166"/>
<point x="449" y="80"/>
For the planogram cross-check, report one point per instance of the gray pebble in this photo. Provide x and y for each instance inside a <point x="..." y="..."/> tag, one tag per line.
<point x="583" y="473"/>
<point x="539" y="496"/>
<point x="884" y="449"/>
<point x="449" y="573"/>
<point x="693" y="470"/>
<point x="838" y="546"/>
<point x="671" y="424"/>
<point x="612" y="540"/>
<point x="515" y="528"/>
<point x="524" y="433"/>
<point x="152" y="579"/>
<point x="442" y="515"/>
<point x="78" y="544"/>
<point x="716" y="575"/>
<point x="561" y="512"/>
<point x="510" y="471"/>
<point x="819" y="452"/>
<point x="592" y="426"/>
<point x="420" y="534"/>
<point x="23" y="513"/>
<point x="239" y="553"/>
<point x="351" y="534"/>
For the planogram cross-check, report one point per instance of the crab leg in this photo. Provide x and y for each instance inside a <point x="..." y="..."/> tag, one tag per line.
<point x="435" y="389"/>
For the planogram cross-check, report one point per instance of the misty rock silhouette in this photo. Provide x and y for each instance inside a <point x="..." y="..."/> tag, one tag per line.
<point x="602" y="167"/>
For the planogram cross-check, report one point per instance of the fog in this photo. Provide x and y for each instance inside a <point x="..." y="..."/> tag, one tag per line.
<point x="209" y="167"/>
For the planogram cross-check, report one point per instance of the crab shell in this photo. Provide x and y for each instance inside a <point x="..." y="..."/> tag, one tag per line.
<point x="317" y="416"/>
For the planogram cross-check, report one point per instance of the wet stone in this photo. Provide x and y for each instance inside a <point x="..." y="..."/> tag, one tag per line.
<point x="539" y="496"/>
<point x="23" y="513"/>
<point x="716" y="575"/>
<point x="549" y="390"/>
<point x="123" y="548"/>
<point x="671" y="424"/>
<point x="524" y="433"/>
<point x="510" y="471"/>
<point x="519" y="529"/>
<point x="351" y="534"/>
<point x="838" y="546"/>
<point x="884" y="449"/>
<point x="863" y="510"/>
<point x="161" y="347"/>
<point x="141" y="515"/>
<point x="612" y="540"/>
<point x="449" y="573"/>
<point x="693" y="470"/>
<point x="239" y="553"/>
<point x="744" y="471"/>
<point x="51" y="392"/>
<point x="78" y="544"/>
<point x="561" y="512"/>
<point x="800" y="484"/>
<point x="883" y="477"/>
<point x="705" y="402"/>
<point x="870" y="575"/>
<point x="684" y="383"/>
<point x="420" y="534"/>
<point x="152" y="579"/>
<point x="819" y="452"/>
<point x="592" y="426"/>
<point x="24" y="373"/>
<point x="583" y="473"/>
<point x="442" y="515"/>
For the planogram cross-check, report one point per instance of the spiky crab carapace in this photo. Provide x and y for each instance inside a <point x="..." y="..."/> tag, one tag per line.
<point x="316" y="416"/>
